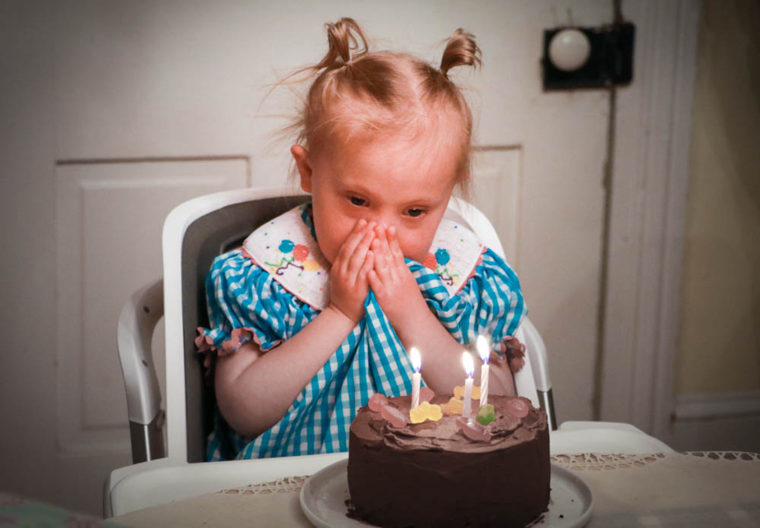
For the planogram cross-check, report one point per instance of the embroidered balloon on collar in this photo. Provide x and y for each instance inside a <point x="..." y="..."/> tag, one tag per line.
<point x="429" y="261"/>
<point x="300" y="252"/>
<point x="286" y="246"/>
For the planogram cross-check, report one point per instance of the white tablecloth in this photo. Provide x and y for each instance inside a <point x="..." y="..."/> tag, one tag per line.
<point x="660" y="490"/>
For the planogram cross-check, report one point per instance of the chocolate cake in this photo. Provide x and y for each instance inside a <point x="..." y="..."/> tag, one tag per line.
<point x="449" y="471"/>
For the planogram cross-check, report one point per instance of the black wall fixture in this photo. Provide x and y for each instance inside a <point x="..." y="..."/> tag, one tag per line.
<point x="609" y="56"/>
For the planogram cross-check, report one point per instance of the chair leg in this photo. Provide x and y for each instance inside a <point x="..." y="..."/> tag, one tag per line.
<point x="147" y="440"/>
<point x="546" y="399"/>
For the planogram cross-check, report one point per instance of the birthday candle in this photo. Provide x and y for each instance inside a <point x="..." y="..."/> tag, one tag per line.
<point x="469" y="369"/>
<point x="483" y="352"/>
<point x="414" y="355"/>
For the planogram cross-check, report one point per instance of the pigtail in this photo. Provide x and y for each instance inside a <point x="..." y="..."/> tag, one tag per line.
<point x="461" y="50"/>
<point x="343" y="37"/>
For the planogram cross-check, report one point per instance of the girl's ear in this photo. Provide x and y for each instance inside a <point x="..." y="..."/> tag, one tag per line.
<point x="301" y="157"/>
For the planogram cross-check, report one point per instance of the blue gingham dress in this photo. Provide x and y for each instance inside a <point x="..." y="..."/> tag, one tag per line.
<point x="249" y="300"/>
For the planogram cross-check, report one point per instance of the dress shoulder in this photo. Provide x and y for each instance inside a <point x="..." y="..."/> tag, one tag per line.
<point x="245" y="304"/>
<point x="489" y="301"/>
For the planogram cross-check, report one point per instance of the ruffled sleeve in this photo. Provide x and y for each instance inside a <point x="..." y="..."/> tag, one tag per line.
<point x="489" y="302"/>
<point x="245" y="304"/>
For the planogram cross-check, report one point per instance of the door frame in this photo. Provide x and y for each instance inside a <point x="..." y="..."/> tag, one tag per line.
<point x="648" y="219"/>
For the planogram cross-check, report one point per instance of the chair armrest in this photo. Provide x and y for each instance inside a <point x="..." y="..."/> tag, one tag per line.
<point x="578" y="437"/>
<point x="137" y="322"/>
<point x="539" y="364"/>
<point x="536" y="350"/>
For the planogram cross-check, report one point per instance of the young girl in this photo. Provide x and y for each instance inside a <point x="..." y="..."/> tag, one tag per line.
<point x="317" y="310"/>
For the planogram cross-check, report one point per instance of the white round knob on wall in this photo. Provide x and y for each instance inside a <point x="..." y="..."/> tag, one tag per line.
<point x="569" y="49"/>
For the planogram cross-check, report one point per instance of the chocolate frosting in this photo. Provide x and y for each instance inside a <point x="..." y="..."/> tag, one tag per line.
<point x="506" y="430"/>
<point x="432" y="474"/>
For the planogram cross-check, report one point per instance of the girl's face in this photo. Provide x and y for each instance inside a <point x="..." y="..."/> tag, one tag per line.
<point x="383" y="179"/>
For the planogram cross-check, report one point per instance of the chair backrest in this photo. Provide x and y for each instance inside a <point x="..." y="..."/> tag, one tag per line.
<point x="194" y="234"/>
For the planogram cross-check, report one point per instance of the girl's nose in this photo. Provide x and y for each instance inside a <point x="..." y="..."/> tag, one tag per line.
<point x="383" y="223"/>
<point x="381" y="219"/>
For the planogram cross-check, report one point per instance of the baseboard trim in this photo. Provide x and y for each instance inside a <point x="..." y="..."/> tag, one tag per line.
<point x="717" y="405"/>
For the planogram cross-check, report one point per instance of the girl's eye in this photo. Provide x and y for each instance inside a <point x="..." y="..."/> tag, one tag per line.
<point x="414" y="212"/>
<point x="355" y="200"/>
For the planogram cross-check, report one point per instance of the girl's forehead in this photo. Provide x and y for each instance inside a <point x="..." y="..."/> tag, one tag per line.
<point x="431" y="144"/>
<point x="389" y="164"/>
<point x="391" y="149"/>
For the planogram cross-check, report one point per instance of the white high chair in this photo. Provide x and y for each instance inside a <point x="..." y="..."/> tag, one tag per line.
<point x="194" y="233"/>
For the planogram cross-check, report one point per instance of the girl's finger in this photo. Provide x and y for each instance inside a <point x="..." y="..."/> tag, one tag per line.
<point x="394" y="245"/>
<point x="352" y="240"/>
<point x="382" y="240"/>
<point x="369" y="261"/>
<point x="382" y="265"/>
<point x="374" y="282"/>
<point x="390" y="262"/>
<point x="356" y="260"/>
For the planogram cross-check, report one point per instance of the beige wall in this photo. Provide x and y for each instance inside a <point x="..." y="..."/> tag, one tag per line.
<point x="720" y="321"/>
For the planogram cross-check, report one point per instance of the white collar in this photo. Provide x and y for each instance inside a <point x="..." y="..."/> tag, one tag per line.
<point x="286" y="248"/>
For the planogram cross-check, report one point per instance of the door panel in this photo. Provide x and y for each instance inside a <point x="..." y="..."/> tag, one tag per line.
<point x="109" y="218"/>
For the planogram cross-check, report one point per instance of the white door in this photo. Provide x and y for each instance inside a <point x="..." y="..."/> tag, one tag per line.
<point x="122" y="109"/>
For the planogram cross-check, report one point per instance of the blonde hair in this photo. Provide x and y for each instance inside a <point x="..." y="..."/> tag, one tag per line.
<point x="359" y="91"/>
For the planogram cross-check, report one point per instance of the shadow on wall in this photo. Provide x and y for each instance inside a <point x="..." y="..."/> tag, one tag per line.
<point x="722" y="278"/>
<point x="733" y="86"/>
<point x="736" y="82"/>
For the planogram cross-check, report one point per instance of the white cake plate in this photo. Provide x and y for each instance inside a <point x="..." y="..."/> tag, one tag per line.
<point x="324" y="499"/>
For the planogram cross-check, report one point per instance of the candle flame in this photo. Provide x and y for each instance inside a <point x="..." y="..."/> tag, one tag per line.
<point x="469" y="368"/>
<point x="482" y="345"/>
<point x="414" y="355"/>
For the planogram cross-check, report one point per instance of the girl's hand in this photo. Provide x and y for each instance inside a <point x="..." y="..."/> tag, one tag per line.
<point x="394" y="285"/>
<point x="349" y="285"/>
<point x="514" y="353"/>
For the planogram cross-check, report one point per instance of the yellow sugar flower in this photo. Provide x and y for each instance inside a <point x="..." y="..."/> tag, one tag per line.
<point x="459" y="392"/>
<point x="454" y="406"/>
<point x="425" y="411"/>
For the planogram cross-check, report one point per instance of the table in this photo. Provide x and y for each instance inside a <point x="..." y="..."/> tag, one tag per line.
<point x="630" y="490"/>
<point x="164" y="480"/>
<point x="636" y="480"/>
